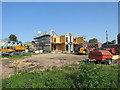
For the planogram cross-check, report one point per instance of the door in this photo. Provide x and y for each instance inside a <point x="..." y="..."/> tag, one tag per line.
<point x="54" y="47"/>
<point x="66" y="47"/>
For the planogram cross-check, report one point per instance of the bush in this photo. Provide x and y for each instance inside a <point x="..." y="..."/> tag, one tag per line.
<point x="95" y="77"/>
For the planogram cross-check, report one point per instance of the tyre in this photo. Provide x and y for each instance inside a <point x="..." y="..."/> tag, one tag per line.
<point x="11" y="54"/>
<point x="86" y="51"/>
<point x="109" y="61"/>
<point x="76" y="53"/>
<point x="96" y="62"/>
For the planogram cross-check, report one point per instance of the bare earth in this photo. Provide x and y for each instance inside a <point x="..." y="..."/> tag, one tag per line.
<point x="41" y="61"/>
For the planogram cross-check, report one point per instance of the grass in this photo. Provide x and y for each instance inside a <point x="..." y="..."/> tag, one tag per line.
<point x="18" y="56"/>
<point x="22" y="55"/>
<point x="0" y="56"/>
<point x="40" y="53"/>
<point x="76" y="76"/>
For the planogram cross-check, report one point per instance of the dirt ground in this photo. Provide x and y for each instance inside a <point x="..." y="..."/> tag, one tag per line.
<point x="41" y="61"/>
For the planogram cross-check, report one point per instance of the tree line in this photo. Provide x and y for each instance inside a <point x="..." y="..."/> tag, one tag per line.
<point x="95" y="40"/>
<point x="12" y="37"/>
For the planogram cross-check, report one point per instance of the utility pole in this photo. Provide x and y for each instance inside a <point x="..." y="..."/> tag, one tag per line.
<point x="107" y="37"/>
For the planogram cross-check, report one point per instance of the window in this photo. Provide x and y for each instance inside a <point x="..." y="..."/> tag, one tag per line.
<point x="70" y="39"/>
<point x="66" y="39"/>
<point x="54" y="39"/>
<point x="75" y="40"/>
<point x="74" y="45"/>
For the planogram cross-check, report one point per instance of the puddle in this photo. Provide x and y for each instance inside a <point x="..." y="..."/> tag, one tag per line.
<point x="27" y="61"/>
<point x="51" y="58"/>
<point x="62" y="59"/>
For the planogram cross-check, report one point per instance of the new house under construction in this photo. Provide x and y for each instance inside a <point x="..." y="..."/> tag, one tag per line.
<point x="52" y="42"/>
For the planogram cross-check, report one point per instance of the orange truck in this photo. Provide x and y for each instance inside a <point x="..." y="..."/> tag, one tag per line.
<point x="13" y="50"/>
<point x="112" y="50"/>
<point x="101" y="55"/>
<point x="19" y="48"/>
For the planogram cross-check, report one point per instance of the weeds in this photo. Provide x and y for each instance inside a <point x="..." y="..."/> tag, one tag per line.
<point x="86" y="76"/>
<point x="19" y="56"/>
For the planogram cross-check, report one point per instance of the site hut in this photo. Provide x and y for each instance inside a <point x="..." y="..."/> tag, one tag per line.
<point x="43" y="42"/>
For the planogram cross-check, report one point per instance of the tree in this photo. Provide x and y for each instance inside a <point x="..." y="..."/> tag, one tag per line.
<point x="113" y="41"/>
<point x="94" y="40"/>
<point x="19" y="42"/>
<point x="12" y="37"/>
<point x="28" y="47"/>
<point x="33" y="42"/>
<point x="106" y="43"/>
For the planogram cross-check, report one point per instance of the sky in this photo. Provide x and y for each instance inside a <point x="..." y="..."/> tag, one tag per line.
<point x="89" y="19"/>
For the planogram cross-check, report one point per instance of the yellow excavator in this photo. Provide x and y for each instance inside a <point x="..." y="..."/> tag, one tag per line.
<point x="13" y="50"/>
<point x="82" y="50"/>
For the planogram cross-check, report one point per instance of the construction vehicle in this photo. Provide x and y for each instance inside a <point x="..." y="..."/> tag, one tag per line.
<point x="82" y="50"/>
<point x="13" y="50"/>
<point x="112" y="50"/>
<point x="7" y="52"/>
<point x="101" y="56"/>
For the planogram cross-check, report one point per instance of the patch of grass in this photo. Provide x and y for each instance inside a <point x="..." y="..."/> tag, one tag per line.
<point x="68" y="68"/>
<point x="40" y="53"/>
<point x="45" y="52"/>
<point x="0" y="56"/>
<point x="87" y="76"/>
<point x="18" y="56"/>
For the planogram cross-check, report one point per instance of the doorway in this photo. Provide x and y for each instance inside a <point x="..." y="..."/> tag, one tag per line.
<point x="66" y="47"/>
<point x="54" y="47"/>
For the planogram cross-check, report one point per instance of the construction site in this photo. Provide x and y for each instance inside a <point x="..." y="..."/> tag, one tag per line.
<point x="70" y="44"/>
<point x="53" y="50"/>
<point x="56" y="58"/>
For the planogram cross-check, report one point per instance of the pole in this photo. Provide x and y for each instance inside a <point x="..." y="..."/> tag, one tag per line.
<point x="107" y="37"/>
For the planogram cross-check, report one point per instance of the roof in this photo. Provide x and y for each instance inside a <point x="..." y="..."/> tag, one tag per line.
<point x="42" y="36"/>
<point x="94" y="43"/>
<point x="78" y="37"/>
<point x="69" y="34"/>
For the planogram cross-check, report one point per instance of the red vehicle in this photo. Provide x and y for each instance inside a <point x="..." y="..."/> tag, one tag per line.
<point x="101" y="55"/>
<point x="112" y="50"/>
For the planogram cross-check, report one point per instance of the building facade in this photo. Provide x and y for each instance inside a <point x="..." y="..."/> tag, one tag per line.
<point x="6" y="43"/>
<point x="118" y="38"/>
<point x="92" y="46"/>
<point x="49" y="42"/>
<point x="43" y="42"/>
<point x="32" y="46"/>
